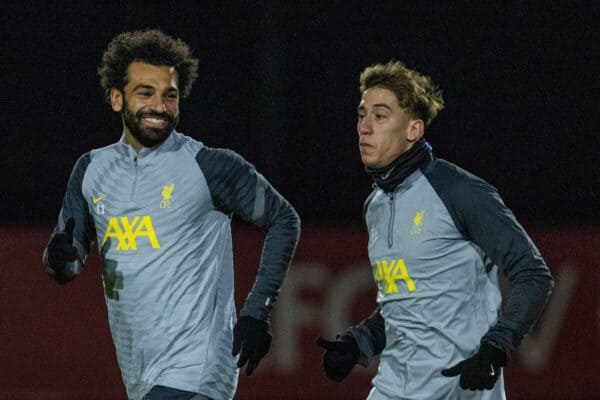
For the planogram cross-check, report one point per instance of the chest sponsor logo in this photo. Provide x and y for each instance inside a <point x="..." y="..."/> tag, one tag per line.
<point x="417" y="222"/>
<point x="389" y="272"/>
<point x="127" y="231"/>
<point x="167" y="196"/>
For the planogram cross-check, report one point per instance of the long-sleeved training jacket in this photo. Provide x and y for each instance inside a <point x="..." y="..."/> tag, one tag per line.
<point x="435" y="244"/>
<point x="162" y="222"/>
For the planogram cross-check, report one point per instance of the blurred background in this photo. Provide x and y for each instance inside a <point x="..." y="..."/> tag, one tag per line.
<point x="279" y="84"/>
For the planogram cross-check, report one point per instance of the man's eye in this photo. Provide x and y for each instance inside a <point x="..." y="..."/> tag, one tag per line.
<point x="145" y="94"/>
<point x="379" y="116"/>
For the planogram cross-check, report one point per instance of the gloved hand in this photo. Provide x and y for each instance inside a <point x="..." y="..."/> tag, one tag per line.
<point x="60" y="251"/>
<point x="253" y="338"/>
<point x="481" y="371"/>
<point x="339" y="356"/>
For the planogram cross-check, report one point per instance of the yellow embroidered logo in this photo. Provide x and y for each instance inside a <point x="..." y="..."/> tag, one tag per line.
<point x="387" y="274"/>
<point x="97" y="199"/>
<point x="167" y="191"/>
<point x="126" y="232"/>
<point x="417" y="221"/>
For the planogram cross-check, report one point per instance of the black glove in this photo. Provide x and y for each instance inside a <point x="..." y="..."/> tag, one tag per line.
<point x="339" y="356"/>
<point x="60" y="251"/>
<point x="481" y="371"/>
<point x="253" y="338"/>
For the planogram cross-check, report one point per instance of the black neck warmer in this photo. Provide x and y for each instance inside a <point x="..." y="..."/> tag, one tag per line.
<point x="393" y="174"/>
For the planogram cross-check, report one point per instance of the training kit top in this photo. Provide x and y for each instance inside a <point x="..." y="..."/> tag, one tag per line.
<point x="436" y="241"/>
<point x="162" y="221"/>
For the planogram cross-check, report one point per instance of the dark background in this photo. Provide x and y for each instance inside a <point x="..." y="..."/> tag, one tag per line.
<point x="278" y="84"/>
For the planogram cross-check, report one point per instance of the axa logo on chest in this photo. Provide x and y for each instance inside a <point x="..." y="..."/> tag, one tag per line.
<point x="126" y="231"/>
<point x="388" y="272"/>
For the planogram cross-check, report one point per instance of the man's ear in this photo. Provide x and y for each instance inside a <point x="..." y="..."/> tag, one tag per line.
<point x="416" y="129"/>
<point x="116" y="99"/>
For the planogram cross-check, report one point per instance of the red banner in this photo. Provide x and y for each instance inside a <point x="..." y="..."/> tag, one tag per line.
<point x="56" y="342"/>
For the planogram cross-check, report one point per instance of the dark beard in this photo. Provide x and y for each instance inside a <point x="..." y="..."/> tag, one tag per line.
<point x="148" y="137"/>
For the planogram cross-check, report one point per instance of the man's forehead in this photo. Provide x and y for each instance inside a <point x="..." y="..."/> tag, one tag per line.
<point x="378" y="97"/>
<point x="142" y="72"/>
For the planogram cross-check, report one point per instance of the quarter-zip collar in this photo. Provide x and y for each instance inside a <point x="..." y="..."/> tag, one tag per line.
<point x="130" y="152"/>
<point x="393" y="174"/>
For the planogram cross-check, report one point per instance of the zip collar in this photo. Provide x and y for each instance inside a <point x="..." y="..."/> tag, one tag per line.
<point x="130" y="152"/>
<point x="392" y="175"/>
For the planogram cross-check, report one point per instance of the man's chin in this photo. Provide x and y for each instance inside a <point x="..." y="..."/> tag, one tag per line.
<point x="373" y="165"/>
<point x="367" y="162"/>
<point x="151" y="139"/>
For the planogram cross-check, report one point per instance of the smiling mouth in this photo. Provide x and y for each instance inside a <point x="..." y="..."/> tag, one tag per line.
<point x="151" y="121"/>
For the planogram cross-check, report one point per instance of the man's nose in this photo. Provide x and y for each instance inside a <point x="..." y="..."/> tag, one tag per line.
<point x="158" y="105"/>
<point x="364" y="126"/>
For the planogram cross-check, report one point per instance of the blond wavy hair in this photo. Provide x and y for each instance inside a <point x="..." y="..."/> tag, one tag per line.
<point x="415" y="92"/>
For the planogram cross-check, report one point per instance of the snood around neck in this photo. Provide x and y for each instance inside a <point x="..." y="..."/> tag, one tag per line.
<point x="393" y="174"/>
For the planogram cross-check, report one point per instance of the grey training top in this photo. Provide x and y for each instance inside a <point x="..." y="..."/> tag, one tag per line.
<point x="435" y="245"/>
<point x="162" y="220"/>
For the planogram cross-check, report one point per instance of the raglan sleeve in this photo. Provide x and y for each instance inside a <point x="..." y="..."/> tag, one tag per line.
<point x="74" y="205"/>
<point x="237" y="188"/>
<point x="484" y="219"/>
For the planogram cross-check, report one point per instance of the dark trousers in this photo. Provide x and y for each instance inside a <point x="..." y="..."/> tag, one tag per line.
<point x="166" y="393"/>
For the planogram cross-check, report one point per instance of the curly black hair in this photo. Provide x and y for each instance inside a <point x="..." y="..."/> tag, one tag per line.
<point x="150" y="46"/>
